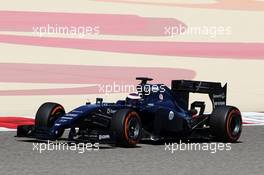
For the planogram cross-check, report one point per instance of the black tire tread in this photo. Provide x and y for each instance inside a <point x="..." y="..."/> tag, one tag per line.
<point x="218" y="123"/>
<point x="117" y="125"/>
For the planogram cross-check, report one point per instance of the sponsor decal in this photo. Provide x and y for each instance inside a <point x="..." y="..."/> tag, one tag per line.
<point x="110" y="111"/>
<point x="76" y="111"/>
<point x="222" y="96"/>
<point x="69" y="115"/>
<point x="103" y="137"/>
<point x="161" y="97"/>
<point x="171" y="115"/>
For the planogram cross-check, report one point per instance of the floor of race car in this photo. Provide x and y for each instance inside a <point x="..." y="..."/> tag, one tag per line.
<point x="18" y="157"/>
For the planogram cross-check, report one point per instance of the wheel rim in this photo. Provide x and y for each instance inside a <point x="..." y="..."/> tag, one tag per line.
<point x="55" y="114"/>
<point x="133" y="128"/>
<point x="235" y="125"/>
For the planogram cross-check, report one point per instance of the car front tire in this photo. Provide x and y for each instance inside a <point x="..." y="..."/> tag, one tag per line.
<point x="47" y="114"/>
<point x="127" y="127"/>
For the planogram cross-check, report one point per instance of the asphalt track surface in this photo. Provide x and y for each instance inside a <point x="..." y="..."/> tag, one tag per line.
<point x="247" y="157"/>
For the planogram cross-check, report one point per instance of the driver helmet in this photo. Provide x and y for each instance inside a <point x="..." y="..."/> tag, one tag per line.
<point x="133" y="98"/>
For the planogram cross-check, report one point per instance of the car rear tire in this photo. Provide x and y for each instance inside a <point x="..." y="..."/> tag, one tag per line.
<point x="226" y="123"/>
<point x="127" y="127"/>
<point x="47" y="114"/>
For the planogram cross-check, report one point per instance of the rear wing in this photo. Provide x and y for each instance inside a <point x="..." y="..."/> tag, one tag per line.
<point x="182" y="89"/>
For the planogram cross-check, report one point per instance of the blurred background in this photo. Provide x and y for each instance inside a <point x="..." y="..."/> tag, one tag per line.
<point x="62" y="51"/>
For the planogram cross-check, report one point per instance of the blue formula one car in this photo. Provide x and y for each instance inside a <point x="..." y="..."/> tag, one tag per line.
<point x="156" y="112"/>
